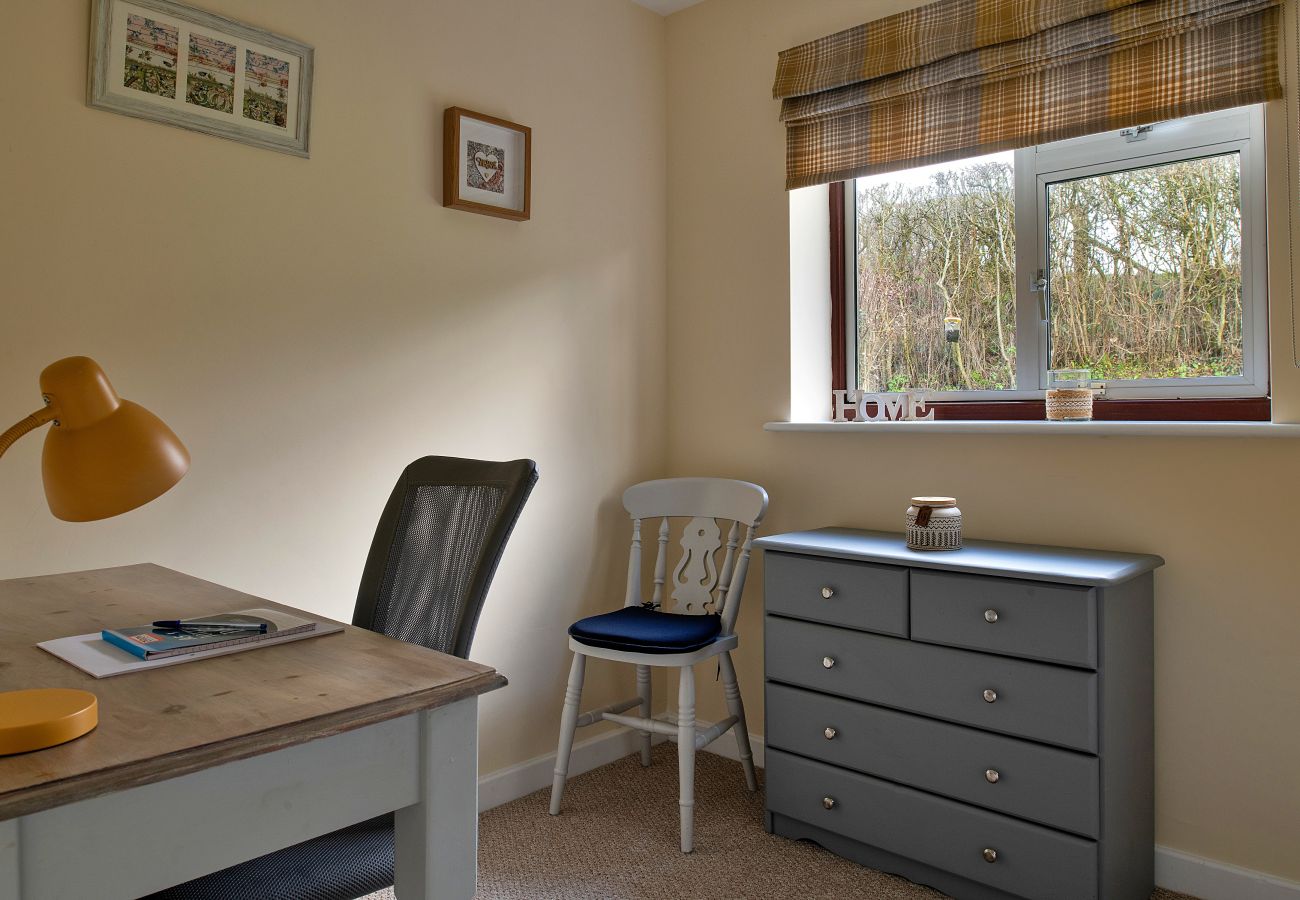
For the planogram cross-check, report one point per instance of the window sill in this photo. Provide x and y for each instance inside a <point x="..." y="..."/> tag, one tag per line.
<point x="1057" y="429"/>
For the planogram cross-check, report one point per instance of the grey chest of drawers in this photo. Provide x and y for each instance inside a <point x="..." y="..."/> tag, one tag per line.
<point x="977" y="720"/>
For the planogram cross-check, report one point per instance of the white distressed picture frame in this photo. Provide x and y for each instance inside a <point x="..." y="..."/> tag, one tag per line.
<point x="108" y="57"/>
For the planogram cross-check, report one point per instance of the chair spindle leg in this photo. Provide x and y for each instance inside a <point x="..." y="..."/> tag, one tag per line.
<point x="736" y="707"/>
<point x="643" y="691"/>
<point x="568" y="725"/>
<point x="686" y="754"/>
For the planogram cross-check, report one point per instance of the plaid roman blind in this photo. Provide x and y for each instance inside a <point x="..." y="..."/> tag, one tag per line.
<point x="960" y="78"/>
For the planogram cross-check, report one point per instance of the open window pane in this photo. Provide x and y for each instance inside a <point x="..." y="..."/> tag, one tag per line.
<point x="936" y="277"/>
<point x="1145" y="271"/>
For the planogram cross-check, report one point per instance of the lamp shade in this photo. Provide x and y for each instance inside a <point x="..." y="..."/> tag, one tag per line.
<point x="104" y="455"/>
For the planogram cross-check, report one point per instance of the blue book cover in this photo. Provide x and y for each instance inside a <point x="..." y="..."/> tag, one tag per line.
<point x="148" y="642"/>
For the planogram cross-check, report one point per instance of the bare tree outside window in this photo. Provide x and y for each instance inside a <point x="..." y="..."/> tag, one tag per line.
<point x="935" y="243"/>
<point x="1144" y="266"/>
<point x="1145" y="271"/>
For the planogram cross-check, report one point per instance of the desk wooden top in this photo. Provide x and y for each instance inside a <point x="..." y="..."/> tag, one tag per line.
<point x="166" y="722"/>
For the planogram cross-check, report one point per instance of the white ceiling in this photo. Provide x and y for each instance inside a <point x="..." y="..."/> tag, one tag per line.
<point x="666" y="7"/>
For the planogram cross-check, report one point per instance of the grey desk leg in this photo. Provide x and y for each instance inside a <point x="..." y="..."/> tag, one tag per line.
<point x="9" y="874"/>
<point x="436" y="840"/>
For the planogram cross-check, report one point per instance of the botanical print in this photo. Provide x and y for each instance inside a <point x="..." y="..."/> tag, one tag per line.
<point x="151" y="52"/>
<point x="266" y="89"/>
<point x="211" y="81"/>
<point x="485" y="167"/>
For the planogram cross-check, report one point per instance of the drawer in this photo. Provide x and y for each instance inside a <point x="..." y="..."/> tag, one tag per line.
<point x="1032" y="619"/>
<point x="1055" y="787"/>
<point x="864" y="596"/>
<point x="1047" y="703"/>
<point x="1031" y="861"/>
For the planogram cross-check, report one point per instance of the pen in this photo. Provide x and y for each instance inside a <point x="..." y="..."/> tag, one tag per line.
<point x="178" y="624"/>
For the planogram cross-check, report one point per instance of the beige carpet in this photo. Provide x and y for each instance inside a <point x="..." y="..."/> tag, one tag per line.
<point x="617" y="840"/>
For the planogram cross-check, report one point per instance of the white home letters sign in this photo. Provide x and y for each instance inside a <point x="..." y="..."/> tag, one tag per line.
<point x="894" y="407"/>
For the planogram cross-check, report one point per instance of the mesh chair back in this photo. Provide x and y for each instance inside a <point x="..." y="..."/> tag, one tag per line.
<point x="436" y="549"/>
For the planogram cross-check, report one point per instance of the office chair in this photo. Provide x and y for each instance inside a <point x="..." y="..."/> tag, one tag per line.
<point x="431" y="562"/>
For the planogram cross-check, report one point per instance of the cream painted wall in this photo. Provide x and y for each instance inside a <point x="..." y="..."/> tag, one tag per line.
<point x="310" y="326"/>
<point x="1227" y="663"/>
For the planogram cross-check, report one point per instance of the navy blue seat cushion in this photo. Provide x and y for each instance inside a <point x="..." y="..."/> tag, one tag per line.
<point x="647" y="631"/>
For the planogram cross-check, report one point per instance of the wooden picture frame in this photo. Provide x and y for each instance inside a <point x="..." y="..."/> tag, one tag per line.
<point x="487" y="165"/>
<point x="172" y="63"/>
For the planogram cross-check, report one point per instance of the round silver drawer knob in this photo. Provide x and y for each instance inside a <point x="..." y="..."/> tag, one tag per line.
<point x="991" y="776"/>
<point x="830" y="733"/>
<point x="828" y="802"/>
<point x="828" y="662"/>
<point x="990" y="695"/>
<point x="990" y="855"/>
<point x="990" y="616"/>
<point x="828" y="592"/>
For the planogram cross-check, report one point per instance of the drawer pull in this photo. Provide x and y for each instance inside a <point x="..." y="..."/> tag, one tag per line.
<point x="830" y="733"/>
<point x="828" y="662"/>
<point x="990" y="696"/>
<point x="828" y="802"/>
<point x="990" y="616"/>
<point x="828" y="592"/>
<point x="990" y="855"/>
<point x="991" y="776"/>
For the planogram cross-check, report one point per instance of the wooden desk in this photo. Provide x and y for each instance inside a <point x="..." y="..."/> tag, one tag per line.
<point x="197" y="767"/>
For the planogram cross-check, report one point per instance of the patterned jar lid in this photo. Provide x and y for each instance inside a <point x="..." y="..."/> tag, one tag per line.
<point x="934" y="502"/>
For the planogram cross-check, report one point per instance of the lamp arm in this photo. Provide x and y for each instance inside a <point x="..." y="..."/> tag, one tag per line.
<point x="31" y="423"/>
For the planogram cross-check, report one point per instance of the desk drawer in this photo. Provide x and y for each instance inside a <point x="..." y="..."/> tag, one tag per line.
<point x="1032" y="619"/>
<point x="1031" y="861"/>
<point x="1054" y="787"/>
<point x="1046" y="703"/>
<point x="863" y="596"/>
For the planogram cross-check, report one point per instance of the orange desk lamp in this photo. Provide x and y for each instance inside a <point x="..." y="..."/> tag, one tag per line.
<point x="103" y="456"/>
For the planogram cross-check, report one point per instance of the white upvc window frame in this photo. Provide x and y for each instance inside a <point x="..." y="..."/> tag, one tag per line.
<point x="1239" y="130"/>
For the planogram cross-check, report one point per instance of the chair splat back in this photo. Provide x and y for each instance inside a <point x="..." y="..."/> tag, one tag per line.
<point x="699" y="585"/>
<point x="436" y="549"/>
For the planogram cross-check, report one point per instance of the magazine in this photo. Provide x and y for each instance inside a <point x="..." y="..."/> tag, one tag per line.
<point x="149" y="642"/>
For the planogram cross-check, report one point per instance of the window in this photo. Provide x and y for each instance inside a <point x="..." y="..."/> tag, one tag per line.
<point x="1138" y="255"/>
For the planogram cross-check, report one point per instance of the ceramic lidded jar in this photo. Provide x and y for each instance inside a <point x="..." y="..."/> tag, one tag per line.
<point x="933" y="523"/>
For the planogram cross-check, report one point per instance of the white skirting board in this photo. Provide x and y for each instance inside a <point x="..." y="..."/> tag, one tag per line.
<point x="522" y="779"/>
<point x="1211" y="880"/>
<point x="726" y="746"/>
<point x="1175" y="870"/>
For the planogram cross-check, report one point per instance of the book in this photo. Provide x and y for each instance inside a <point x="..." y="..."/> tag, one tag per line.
<point x="98" y="658"/>
<point x="148" y="642"/>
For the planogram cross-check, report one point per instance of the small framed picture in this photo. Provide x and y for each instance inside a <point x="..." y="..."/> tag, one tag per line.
<point x="487" y="165"/>
<point x="159" y="60"/>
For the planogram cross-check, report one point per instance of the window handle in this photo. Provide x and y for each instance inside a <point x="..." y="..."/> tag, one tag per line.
<point x="1139" y="133"/>
<point x="1038" y="285"/>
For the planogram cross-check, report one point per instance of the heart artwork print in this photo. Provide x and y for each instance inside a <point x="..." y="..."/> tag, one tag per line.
<point x="485" y="167"/>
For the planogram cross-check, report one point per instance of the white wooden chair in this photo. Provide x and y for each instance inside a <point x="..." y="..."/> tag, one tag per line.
<point x="700" y="626"/>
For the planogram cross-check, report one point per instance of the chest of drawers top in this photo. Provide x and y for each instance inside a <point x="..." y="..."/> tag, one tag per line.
<point x="1031" y="562"/>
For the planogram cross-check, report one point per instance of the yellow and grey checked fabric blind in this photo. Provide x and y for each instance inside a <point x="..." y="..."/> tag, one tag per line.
<point x="960" y="78"/>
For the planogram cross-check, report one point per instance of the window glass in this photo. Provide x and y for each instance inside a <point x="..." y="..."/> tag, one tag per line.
<point x="1141" y="259"/>
<point x="935" y="273"/>
<point x="1145" y="271"/>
